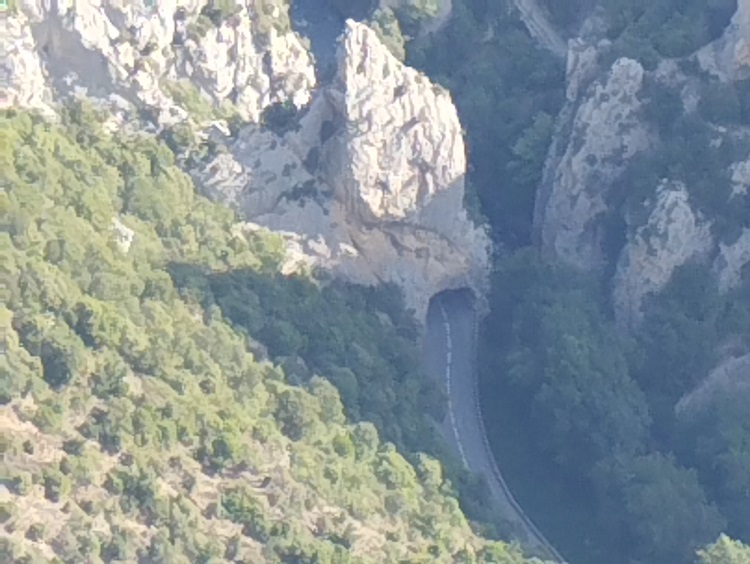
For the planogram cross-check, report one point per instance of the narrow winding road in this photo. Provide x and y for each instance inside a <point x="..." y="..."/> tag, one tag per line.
<point x="449" y="351"/>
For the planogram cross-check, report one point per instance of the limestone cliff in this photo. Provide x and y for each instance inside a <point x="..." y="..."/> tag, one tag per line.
<point x="673" y="234"/>
<point x="367" y="179"/>
<point x="604" y="130"/>
<point x="370" y="186"/>
<point x="601" y="130"/>
<point x="142" y="51"/>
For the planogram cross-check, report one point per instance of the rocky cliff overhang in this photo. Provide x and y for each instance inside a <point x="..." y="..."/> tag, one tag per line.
<point x="370" y="186"/>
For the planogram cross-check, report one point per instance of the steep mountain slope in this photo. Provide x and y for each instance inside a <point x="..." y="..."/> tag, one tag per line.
<point x="137" y="424"/>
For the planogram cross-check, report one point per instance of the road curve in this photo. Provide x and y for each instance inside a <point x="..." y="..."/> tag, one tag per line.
<point x="450" y="344"/>
<point x="540" y="27"/>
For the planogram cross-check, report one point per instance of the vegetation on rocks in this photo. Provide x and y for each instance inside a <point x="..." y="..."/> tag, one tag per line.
<point x="598" y="457"/>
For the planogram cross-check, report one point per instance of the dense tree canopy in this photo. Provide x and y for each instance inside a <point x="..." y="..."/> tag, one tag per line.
<point x="585" y="396"/>
<point x="568" y="364"/>
<point x="141" y="427"/>
<point x="650" y="29"/>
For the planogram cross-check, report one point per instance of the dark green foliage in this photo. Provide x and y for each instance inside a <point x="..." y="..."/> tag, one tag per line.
<point x="150" y="401"/>
<point x="281" y="117"/>
<point x="386" y="25"/>
<point x="56" y="485"/>
<point x="564" y="359"/>
<point x="656" y="507"/>
<point x="354" y="9"/>
<point x="717" y="440"/>
<point x="720" y="103"/>
<point x="681" y="337"/>
<point x="247" y="511"/>
<point x="552" y="352"/>
<point x="664" y="105"/>
<point x="361" y="338"/>
<point x="411" y="14"/>
<point x="219" y="10"/>
<point x="666" y="28"/>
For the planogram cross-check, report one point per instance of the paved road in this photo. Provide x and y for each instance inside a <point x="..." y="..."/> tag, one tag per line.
<point x="540" y="27"/>
<point x="450" y="340"/>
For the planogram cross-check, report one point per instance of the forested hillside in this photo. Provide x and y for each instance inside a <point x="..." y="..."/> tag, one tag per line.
<point x="141" y="420"/>
<point x="168" y="395"/>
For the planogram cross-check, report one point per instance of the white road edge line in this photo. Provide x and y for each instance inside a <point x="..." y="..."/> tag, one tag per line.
<point x="448" y="387"/>
<point x="540" y="538"/>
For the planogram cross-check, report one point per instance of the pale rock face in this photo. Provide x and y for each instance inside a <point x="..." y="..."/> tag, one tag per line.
<point x="404" y="143"/>
<point x="382" y="200"/>
<point x="729" y="56"/>
<point x="606" y="131"/>
<point x="673" y="235"/>
<point x="731" y="375"/>
<point x="25" y="82"/>
<point x="123" y="234"/>
<point x="261" y="170"/>
<point x="582" y="66"/>
<point x="123" y="47"/>
<point x="741" y="178"/>
<point x="731" y="261"/>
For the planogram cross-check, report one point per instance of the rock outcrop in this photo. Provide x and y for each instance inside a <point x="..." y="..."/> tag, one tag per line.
<point x="731" y="261"/>
<point x="601" y="128"/>
<point x="673" y="235"/>
<point x="401" y="147"/>
<point x="729" y="56"/>
<point x="605" y="130"/>
<point x="733" y="375"/>
<point x="24" y="84"/>
<point x="249" y="57"/>
<point x="371" y="185"/>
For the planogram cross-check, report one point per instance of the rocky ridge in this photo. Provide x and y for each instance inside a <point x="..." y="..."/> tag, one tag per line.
<point x="605" y="131"/>
<point x="674" y="234"/>
<point x="600" y="131"/>
<point x="731" y="374"/>
<point x="367" y="183"/>
<point x="370" y="186"/>
<point x="137" y="50"/>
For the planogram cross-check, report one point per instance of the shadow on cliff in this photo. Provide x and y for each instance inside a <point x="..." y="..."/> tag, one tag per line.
<point x="291" y="314"/>
<point x="321" y="24"/>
